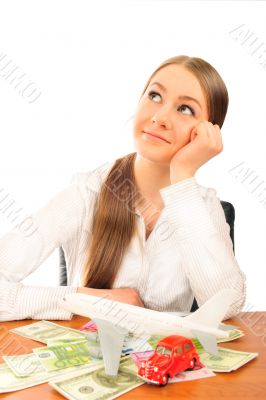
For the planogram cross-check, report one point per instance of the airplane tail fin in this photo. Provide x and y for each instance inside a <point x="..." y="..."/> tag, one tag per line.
<point x="213" y="311"/>
<point x="211" y="314"/>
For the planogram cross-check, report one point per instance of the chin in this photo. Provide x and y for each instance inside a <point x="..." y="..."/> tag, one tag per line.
<point x="153" y="154"/>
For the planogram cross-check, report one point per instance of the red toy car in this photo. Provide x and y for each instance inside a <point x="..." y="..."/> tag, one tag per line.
<point x="172" y="355"/>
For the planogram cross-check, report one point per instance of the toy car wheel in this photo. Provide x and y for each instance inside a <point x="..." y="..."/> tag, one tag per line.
<point x="192" y="364"/>
<point x="164" y="380"/>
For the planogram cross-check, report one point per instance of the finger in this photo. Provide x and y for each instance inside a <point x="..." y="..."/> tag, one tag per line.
<point x="197" y="129"/>
<point x="202" y="130"/>
<point x="215" y="137"/>
<point x="212" y="134"/>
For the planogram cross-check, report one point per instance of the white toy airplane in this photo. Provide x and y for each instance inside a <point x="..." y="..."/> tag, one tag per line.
<point x="115" y="320"/>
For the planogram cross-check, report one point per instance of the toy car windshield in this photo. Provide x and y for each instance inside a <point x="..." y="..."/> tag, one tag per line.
<point x="163" y="350"/>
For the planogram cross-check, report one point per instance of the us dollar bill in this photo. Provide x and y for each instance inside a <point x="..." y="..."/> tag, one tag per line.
<point x="233" y="334"/>
<point x="96" y="385"/>
<point x="227" y="360"/>
<point x="24" y="364"/>
<point x="43" y="331"/>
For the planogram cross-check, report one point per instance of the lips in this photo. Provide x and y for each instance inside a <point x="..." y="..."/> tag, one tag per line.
<point x="156" y="135"/>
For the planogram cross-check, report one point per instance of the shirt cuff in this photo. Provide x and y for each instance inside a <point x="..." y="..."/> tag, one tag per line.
<point x="42" y="302"/>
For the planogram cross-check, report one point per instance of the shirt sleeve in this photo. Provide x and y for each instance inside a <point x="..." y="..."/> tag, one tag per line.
<point x="203" y="237"/>
<point x="22" y="251"/>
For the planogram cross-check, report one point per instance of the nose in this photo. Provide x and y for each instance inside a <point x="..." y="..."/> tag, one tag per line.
<point x="161" y="119"/>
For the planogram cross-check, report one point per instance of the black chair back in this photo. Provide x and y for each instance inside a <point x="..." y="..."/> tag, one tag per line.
<point x="229" y="213"/>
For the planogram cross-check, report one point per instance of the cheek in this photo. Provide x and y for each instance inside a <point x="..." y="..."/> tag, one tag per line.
<point x="182" y="134"/>
<point x="138" y="122"/>
<point x="143" y="112"/>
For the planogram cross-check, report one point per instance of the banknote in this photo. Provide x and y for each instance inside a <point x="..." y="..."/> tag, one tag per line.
<point x="192" y="375"/>
<point x="24" y="364"/>
<point x="89" y="327"/>
<point x="138" y="358"/>
<point x="53" y="342"/>
<point x="64" y="355"/>
<point x="9" y="382"/>
<point x="233" y="334"/>
<point x="227" y="360"/>
<point x="94" y="347"/>
<point x="132" y="343"/>
<point x="96" y="385"/>
<point x="43" y="331"/>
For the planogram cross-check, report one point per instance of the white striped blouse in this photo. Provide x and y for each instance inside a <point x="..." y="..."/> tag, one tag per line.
<point x="188" y="254"/>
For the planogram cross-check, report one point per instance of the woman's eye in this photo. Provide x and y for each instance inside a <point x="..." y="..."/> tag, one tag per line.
<point x="152" y="94"/>
<point x="190" y="110"/>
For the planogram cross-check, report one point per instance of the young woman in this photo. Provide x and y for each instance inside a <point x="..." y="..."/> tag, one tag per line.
<point x="140" y="229"/>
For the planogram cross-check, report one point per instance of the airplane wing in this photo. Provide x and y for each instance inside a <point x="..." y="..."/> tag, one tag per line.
<point x="111" y="341"/>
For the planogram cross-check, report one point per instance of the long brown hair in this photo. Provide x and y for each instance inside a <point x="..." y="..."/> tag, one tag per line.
<point x="114" y="222"/>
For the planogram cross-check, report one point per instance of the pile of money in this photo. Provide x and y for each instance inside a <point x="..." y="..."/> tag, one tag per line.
<point x="67" y="351"/>
<point x="71" y="361"/>
<point x="23" y="371"/>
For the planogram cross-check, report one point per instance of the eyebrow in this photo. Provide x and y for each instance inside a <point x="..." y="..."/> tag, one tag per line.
<point x="182" y="97"/>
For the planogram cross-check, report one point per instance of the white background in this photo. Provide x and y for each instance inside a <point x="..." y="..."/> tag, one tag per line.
<point x="91" y="60"/>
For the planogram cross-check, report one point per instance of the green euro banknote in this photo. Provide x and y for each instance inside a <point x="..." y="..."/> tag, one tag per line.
<point x="96" y="385"/>
<point x="94" y="346"/>
<point x="29" y="365"/>
<point x="9" y="382"/>
<point x="64" y="355"/>
<point x="43" y="331"/>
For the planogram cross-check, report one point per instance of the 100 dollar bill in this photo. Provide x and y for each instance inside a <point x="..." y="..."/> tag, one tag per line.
<point x="227" y="360"/>
<point x="96" y="385"/>
<point x="43" y="331"/>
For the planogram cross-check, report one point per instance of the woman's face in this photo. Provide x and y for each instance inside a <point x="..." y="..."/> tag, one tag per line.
<point x="165" y="111"/>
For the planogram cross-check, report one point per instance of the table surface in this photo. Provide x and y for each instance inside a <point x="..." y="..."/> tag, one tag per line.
<point x="249" y="382"/>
